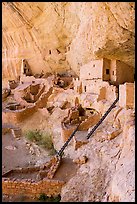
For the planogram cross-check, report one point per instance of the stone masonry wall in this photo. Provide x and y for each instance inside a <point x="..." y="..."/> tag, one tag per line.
<point x="65" y="132"/>
<point x="31" y="188"/>
<point x="18" y="115"/>
<point x="90" y="121"/>
<point x="127" y="95"/>
<point x="42" y="101"/>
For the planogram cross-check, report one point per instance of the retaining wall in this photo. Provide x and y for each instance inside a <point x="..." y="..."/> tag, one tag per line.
<point x="31" y="188"/>
<point x="16" y="186"/>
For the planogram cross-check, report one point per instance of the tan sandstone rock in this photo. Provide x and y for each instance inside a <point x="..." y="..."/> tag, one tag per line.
<point x="59" y="36"/>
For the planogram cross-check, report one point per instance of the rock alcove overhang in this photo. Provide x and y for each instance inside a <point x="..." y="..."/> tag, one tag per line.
<point x="62" y="36"/>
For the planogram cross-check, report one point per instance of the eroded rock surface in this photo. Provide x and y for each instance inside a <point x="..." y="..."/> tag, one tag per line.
<point x="109" y="174"/>
<point x="59" y="36"/>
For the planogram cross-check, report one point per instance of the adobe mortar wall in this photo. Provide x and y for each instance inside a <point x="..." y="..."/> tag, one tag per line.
<point x="111" y="93"/>
<point x="12" y="183"/>
<point x="127" y="95"/>
<point x="102" y="88"/>
<point x="66" y="132"/>
<point x="16" y="116"/>
<point x="18" y="96"/>
<point x="31" y="188"/>
<point x="25" y="79"/>
<point x="42" y="101"/>
<point x="13" y="117"/>
<point x="85" y="125"/>
<point x="92" y="70"/>
<point x="106" y="65"/>
<point x="89" y="122"/>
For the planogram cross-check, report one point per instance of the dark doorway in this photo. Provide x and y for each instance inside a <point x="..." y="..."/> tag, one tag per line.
<point x="107" y="71"/>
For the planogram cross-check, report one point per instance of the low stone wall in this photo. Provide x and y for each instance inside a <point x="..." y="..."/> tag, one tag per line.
<point x="85" y="125"/>
<point x="31" y="188"/>
<point x="66" y="132"/>
<point x="33" y="92"/>
<point x="16" y="116"/>
<point x="111" y="93"/>
<point x="42" y="101"/>
<point x="127" y="95"/>
<point x="78" y="143"/>
<point x="5" y="93"/>
<point x="25" y="79"/>
<point x="89" y="122"/>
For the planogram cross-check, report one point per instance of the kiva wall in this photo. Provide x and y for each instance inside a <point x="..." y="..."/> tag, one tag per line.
<point x="16" y="116"/>
<point x="89" y="122"/>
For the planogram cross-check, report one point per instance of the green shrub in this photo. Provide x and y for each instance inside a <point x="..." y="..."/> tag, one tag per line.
<point x="44" y="197"/>
<point x="33" y="135"/>
<point x="46" y="141"/>
<point x="42" y="139"/>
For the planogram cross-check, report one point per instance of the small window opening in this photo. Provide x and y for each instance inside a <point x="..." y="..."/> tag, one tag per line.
<point x="94" y="65"/>
<point x="85" y="88"/>
<point x="58" y="51"/>
<point x="50" y="52"/>
<point x="107" y="71"/>
<point x="89" y="74"/>
<point x="113" y="73"/>
<point x="25" y="70"/>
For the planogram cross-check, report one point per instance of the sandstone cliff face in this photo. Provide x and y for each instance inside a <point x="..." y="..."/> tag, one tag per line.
<point x="59" y="36"/>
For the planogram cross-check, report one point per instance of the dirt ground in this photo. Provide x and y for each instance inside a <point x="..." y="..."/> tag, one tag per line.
<point x="15" y="153"/>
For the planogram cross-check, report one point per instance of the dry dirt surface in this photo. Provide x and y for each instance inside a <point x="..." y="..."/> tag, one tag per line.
<point x="16" y="153"/>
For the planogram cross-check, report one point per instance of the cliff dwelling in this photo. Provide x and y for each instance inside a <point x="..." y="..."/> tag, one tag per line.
<point x="68" y="102"/>
<point x="25" y="68"/>
<point x="107" y="70"/>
